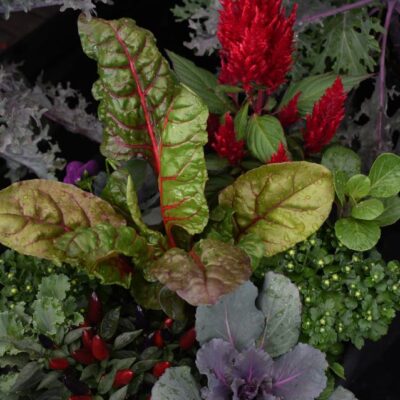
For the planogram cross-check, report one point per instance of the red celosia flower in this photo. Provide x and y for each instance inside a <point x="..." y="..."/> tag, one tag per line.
<point x="225" y="143"/>
<point x="290" y="113"/>
<point x="257" y="43"/>
<point x="325" y="119"/>
<point x="280" y="156"/>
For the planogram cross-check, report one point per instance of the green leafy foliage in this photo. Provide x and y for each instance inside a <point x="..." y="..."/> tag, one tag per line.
<point x="34" y="213"/>
<point x="345" y="43"/>
<point x="282" y="204"/>
<point x="160" y="119"/>
<point x="346" y="295"/>
<point x="264" y="135"/>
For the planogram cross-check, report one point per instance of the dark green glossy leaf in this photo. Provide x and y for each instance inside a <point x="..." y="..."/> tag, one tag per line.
<point x="109" y="323"/>
<point x="126" y="338"/>
<point x="265" y="133"/>
<point x="173" y="305"/>
<point x="202" y="82"/>
<point x="391" y="214"/>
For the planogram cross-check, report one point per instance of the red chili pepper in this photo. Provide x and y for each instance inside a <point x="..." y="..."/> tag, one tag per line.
<point x="83" y="356"/>
<point x="158" y="339"/>
<point x="123" y="377"/>
<point x="188" y="339"/>
<point x="85" y="397"/>
<point x="95" y="310"/>
<point x="168" y="323"/>
<point x="58" y="363"/>
<point x="87" y="338"/>
<point x="160" y="368"/>
<point x="99" y="348"/>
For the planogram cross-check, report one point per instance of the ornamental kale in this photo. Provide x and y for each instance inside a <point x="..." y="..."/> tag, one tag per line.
<point x="236" y="353"/>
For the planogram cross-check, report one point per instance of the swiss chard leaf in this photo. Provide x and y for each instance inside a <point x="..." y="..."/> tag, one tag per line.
<point x="33" y="214"/>
<point x="100" y="249"/>
<point x="146" y="112"/>
<point x="211" y="269"/>
<point x="283" y="203"/>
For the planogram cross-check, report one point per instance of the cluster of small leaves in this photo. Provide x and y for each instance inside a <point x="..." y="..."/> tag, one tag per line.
<point x="346" y="295"/>
<point x="87" y="6"/>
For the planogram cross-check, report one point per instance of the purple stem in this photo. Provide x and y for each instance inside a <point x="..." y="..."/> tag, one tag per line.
<point x="329" y="13"/>
<point x="382" y="76"/>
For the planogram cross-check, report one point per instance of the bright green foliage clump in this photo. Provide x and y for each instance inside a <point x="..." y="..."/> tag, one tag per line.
<point x="346" y="296"/>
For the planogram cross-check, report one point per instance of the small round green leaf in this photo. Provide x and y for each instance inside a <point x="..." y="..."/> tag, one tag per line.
<point x="385" y="176"/>
<point x="358" y="186"/>
<point x="392" y="211"/>
<point x="356" y="234"/>
<point x="264" y="136"/>
<point x="368" y="209"/>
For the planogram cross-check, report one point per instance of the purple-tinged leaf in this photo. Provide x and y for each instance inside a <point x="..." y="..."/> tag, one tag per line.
<point x="300" y="374"/>
<point x="210" y="270"/>
<point x="215" y="360"/>
<point x="234" y="318"/>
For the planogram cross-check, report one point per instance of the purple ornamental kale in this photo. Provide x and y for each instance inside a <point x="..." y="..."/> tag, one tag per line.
<point x="253" y="374"/>
<point x="76" y="169"/>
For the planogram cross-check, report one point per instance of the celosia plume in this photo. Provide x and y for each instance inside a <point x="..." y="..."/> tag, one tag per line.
<point x="325" y="119"/>
<point x="226" y="144"/>
<point x="257" y="43"/>
<point x="280" y="156"/>
<point x="290" y="113"/>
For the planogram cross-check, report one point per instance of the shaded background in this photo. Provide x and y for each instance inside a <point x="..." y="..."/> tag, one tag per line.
<point x="47" y="41"/>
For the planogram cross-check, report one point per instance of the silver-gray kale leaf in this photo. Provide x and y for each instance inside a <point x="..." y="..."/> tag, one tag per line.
<point x="87" y="6"/>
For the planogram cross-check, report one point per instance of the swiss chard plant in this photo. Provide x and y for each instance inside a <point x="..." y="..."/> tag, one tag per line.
<point x="151" y="117"/>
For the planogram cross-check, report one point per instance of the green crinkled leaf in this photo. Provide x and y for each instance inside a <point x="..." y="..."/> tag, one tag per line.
<point x="283" y="203"/>
<point x="313" y="88"/>
<point x="146" y="111"/>
<point x="202" y="82"/>
<point x="211" y="269"/>
<point x="55" y="286"/>
<point x="340" y="158"/>
<point x="357" y="234"/>
<point x="234" y="318"/>
<point x="347" y="44"/>
<point x="280" y="302"/>
<point x="176" y="384"/>
<point x="391" y="214"/>
<point x="99" y="250"/>
<point x="358" y="186"/>
<point x="264" y="135"/>
<point x="368" y="209"/>
<point x="11" y="329"/>
<point x="48" y="315"/>
<point x="35" y="213"/>
<point x="385" y="176"/>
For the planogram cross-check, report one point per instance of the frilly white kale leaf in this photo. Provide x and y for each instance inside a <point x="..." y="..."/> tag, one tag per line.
<point x="22" y="130"/>
<point x="184" y="11"/>
<point x="204" y="24"/>
<point x="87" y="6"/>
